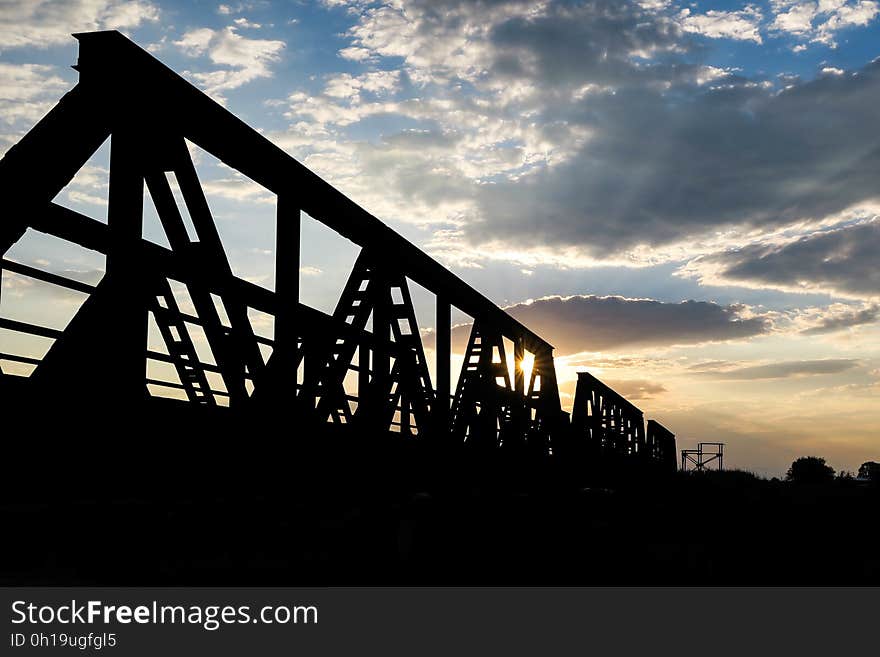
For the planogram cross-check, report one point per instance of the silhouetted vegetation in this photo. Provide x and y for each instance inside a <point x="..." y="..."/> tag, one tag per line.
<point x="870" y="471"/>
<point x="809" y="470"/>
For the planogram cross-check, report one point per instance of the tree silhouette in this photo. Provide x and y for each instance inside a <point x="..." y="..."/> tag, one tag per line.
<point x="870" y="470"/>
<point x="809" y="470"/>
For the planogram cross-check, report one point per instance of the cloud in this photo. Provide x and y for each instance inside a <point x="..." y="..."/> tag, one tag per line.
<point x="45" y="23"/>
<point x="743" y="25"/>
<point x="844" y="320"/>
<point x="570" y="45"/>
<point x="781" y="370"/>
<point x="636" y="389"/>
<point x="245" y="59"/>
<point x="794" y="18"/>
<point x="84" y="197"/>
<point x="841" y="261"/>
<point x="820" y="21"/>
<point x="245" y="23"/>
<point x="483" y="72"/>
<point x="632" y="390"/>
<point x="28" y="91"/>
<point x="592" y="323"/>
<point x="355" y="54"/>
<point x="745" y="157"/>
<point x="847" y="14"/>
<point x="606" y="361"/>
<point x="237" y="188"/>
<point x="21" y="286"/>
<point x="592" y="127"/>
<point x="228" y="10"/>
<point x="849" y="391"/>
<point x="440" y="38"/>
<point x="348" y="86"/>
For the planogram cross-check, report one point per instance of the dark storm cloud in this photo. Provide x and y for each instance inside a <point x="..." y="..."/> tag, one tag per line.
<point x="783" y="370"/>
<point x="843" y="260"/>
<point x="594" y="323"/>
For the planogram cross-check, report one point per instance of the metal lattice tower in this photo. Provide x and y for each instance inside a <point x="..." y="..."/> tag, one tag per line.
<point x="701" y="458"/>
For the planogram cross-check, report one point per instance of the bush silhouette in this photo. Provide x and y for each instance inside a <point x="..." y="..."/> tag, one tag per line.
<point x="870" y="470"/>
<point x="809" y="470"/>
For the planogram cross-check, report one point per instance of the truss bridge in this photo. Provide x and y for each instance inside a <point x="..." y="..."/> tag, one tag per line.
<point x="362" y="370"/>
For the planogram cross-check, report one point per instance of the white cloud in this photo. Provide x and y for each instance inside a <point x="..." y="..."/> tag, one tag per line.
<point x="436" y="43"/>
<point x="28" y="92"/>
<point x="835" y="318"/>
<point x="847" y="15"/>
<point x="43" y="23"/>
<point x="342" y="86"/>
<point x="246" y="59"/>
<point x="796" y="19"/>
<point x="24" y="82"/>
<point x="86" y="198"/>
<point x="228" y="10"/>
<point x="820" y="21"/>
<point x="195" y="42"/>
<point x="654" y="5"/>
<point x="707" y="74"/>
<point x="355" y="53"/>
<point x="245" y="23"/>
<point x="349" y="86"/>
<point x="743" y="25"/>
<point x="238" y="188"/>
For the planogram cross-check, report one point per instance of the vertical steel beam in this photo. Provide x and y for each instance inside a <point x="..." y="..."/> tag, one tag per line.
<point x="124" y="272"/>
<point x="519" y="410"/>
<point x="518" y="374"/>
<point x="443" y="335"/>
<point x="379" y="384"/>
<point x="287" y="261"/>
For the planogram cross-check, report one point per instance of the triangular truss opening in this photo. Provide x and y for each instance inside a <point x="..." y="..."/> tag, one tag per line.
<point x="88" y="190"/>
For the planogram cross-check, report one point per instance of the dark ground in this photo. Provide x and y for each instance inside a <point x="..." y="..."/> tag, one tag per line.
<point x="139" y="507"/>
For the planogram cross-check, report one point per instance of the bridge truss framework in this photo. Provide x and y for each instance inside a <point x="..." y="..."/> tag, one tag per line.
<point x="372" y="338"/>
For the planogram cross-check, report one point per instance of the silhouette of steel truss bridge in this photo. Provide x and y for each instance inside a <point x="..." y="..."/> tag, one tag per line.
<point x="362" y="367"/>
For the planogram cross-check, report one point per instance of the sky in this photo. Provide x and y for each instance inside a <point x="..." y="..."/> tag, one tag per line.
<point x="679" y="196"/>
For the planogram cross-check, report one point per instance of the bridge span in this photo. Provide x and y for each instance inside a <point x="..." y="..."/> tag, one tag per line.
<point x="361" y="369"/>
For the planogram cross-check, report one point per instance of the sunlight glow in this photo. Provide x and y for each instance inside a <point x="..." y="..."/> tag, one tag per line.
<point x="528" y="362"/>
